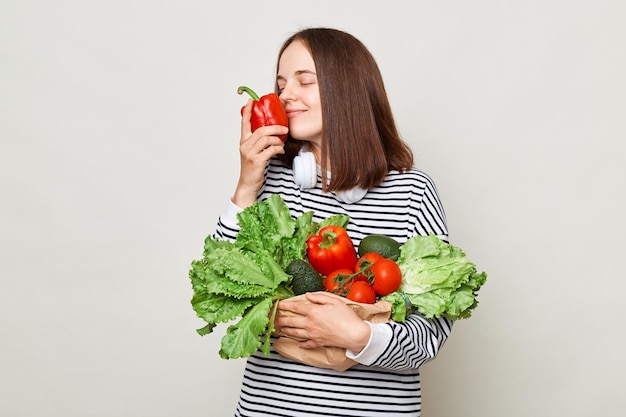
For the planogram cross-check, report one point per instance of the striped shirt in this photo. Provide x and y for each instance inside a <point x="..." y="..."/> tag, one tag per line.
<point x="386" y="380"/>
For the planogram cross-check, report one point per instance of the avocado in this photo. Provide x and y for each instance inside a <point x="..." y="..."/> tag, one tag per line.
<point x="381" y="244"/>
<point x="304" y="277"/>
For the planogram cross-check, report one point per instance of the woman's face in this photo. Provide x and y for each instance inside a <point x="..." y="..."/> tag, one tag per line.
<point x="300" y="94"/>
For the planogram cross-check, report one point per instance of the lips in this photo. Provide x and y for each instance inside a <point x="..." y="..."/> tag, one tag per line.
<point x="293" y="113"/>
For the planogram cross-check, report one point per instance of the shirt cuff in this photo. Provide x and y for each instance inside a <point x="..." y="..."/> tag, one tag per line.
<point x="229" y="216"/>
<point x="379" y="340"/>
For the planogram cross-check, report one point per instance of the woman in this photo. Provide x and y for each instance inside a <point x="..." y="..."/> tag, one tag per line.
<point x="343" y="155"/>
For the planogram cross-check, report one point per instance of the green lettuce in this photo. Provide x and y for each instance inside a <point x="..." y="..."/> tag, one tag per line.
<point x="240" y="282"/>
<point x="437" y="280"/>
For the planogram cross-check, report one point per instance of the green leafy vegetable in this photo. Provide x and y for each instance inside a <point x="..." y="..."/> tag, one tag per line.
<point x="244" y="279"/>
<point x="437" y="280"/>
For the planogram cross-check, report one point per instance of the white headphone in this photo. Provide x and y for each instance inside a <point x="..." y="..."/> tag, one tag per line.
<point x="305" y="169"/>
<point x="305" y="176"/>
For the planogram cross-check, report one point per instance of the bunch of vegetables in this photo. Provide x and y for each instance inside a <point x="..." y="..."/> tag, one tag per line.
<point x="276" y="256"/>
<point x="362" y="279"/>
<point x="424" y="274"/>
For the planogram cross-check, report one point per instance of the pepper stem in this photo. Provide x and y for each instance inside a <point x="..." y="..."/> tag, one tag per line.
<point x="248" y="90"/>
<point x="328" y="239"/>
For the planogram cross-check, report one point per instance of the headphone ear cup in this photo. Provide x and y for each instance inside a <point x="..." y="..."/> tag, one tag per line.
<point x="351" y="196"/>
<point x="305" y="170"/>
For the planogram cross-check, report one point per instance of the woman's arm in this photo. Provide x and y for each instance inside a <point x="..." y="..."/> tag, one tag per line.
<point x="255" y="149"/>
<point x="417" y="340"/>
<point x="227" y="227"/>
<point x="405" y="345"/>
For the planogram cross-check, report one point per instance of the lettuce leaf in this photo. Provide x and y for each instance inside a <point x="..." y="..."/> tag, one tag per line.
<point x="239" y="281"/>
<point x="269" y="226"/>
<point x="437" y="279"/>
<point x="242" y="339"/>
<point x="220" y="308"/>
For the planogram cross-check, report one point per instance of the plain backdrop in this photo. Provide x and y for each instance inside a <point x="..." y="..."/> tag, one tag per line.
<point x="119" y="130"/>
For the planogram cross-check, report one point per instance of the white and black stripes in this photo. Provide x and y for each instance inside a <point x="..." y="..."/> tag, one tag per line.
<point x="405" y="204"/>
<point x="415" y="342"/>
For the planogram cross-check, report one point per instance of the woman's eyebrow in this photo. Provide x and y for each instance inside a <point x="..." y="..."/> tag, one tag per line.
<point x="299" y="72"/>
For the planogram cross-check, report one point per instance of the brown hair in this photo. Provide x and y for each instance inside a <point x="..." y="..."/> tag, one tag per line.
<point x="360" y="141"/>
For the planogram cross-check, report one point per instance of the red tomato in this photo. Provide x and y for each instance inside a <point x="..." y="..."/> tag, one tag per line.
<point x="338" y="281"/>
<point x="370" y="257"/>
<point x="362" y="292"/>
<point x="365" y="262"/>
<point x="387" y="276"/>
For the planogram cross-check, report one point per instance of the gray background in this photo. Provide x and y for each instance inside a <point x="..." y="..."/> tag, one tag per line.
<point x="119" y="128"/>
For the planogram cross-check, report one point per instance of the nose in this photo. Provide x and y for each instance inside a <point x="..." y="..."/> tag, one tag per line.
<point x="286" y="94"/>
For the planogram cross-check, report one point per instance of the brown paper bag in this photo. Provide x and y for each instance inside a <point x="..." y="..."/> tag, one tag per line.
<point x="330" y="357"/>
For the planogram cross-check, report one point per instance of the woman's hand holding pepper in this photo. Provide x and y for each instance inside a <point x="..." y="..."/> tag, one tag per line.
<point x="255" y="150"/>
<point x="326" y="321"/>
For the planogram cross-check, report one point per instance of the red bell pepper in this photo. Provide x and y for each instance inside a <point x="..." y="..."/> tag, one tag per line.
<point x="267" y="110"/>
<point x="331" y="249"/>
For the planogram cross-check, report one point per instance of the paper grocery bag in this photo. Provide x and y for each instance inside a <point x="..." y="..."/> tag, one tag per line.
<point x="330" y="357"/>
